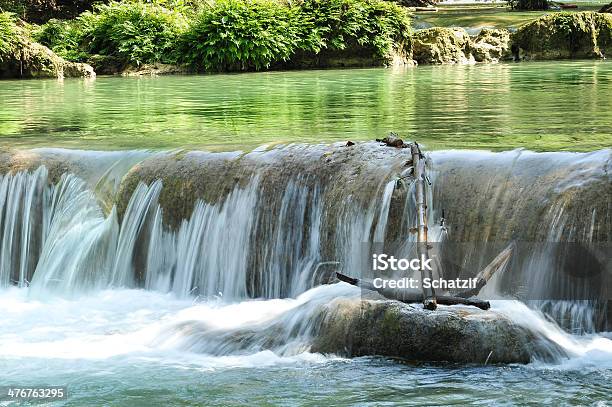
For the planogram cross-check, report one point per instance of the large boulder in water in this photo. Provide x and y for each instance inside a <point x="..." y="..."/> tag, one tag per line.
<point x="491" y="45"/>
<point x="441" y="45"/>
<point x="342" y="320"/>
<point x="606" y="9"/>
<point x="452" y="334"/>
<point x="564" y="35"/>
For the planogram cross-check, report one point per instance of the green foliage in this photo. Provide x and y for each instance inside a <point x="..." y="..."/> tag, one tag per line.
<point x="566" y="35"/>
<point x="227" y="34"/>
<point x="135" y="32"/>
<point x="245" y="34"/>
<point x="242" y="34"/>
<point x="368" y="23"/>
<point x="12" y="37"/>
<point x="528" y="4"/>
<point x="7" y="27"/>
<point x="64" y="37"/>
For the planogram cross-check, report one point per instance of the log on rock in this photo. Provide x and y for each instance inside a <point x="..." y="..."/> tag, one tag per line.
<point x="467" y="297"/>
<point x="393" y="140"/>
<point x="411" y="296"/>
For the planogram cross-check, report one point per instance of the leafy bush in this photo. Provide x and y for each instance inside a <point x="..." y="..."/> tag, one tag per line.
<point x="135" y="32"/>
<point x="368" y="23"/>
<point x="528" y="4"/>
<point x="64" y="37"/>
<point x="242" y="33"/>
<point x="12" y="37"/>
<point x="245" y="34"/>
<point x="227" y="34"/>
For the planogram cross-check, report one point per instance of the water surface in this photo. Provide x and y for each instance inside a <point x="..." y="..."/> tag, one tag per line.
<point x="547" y="106"/>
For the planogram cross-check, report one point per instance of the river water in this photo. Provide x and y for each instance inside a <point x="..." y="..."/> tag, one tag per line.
<point x="77" y="319"/>
<point x="106" y="348"/>
<point x="561" y="105"/>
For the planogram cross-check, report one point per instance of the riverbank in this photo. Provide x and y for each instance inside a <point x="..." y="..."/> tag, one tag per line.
<point x="146" y="39"/>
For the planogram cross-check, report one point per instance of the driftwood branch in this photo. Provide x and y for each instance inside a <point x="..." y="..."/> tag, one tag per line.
<point x="467" y="297"/>
<point x="498" y="263"/>
<point x="409" y="296"/>
<point x="418" y="165"/>
<point x="430" y="299"/>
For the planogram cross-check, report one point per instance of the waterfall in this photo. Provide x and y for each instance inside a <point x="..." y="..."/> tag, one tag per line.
<point x="557" y="206"/>
<point x="257" y="240"/>
<point x="260" y="225"/>
<point x="79" y="248"/>
<point x="24" y="214"/>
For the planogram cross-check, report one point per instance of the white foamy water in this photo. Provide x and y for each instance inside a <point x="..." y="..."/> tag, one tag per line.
<point x="584" y="351"/>
<point x="138" y="323"/>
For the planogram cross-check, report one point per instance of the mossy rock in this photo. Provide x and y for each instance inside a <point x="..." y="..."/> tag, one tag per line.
<point x="491" y="45"/>
<point x="20" y="57"/>
<point x="564" y="36"/>
<point x="352" y="57"/>
<point x="107" y="65"/>
<point x="441" y="45"/>
<point x="376" y="326"/>
<point x="33" y="60"/>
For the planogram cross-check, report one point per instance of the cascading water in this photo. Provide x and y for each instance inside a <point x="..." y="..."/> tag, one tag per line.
<point x="556" y="205"/>
<point x="257" y="228"/>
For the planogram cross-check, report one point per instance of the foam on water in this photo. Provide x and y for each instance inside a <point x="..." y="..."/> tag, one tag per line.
<point x="585" y="351"/>
<point x="126" y="325"/>
<point x="140" y="324"/>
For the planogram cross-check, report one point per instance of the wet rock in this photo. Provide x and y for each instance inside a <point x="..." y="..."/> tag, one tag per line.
<point x="491" y="45"/>
<point x="564" y="35"/>
<point x="154" y="70"/>
<point x="78" y="70"/>
<point x="343" y="174"/>
<point x="12" y="161"/>
<point x="351" y="57"/>
<point x="33" y="60"/>
<point x="441" y="45"/>
<point x="106" y="65"/>
<point x="452" y="334"/>
<point x="351" y="326"/>
<point x="393" y="140"/>
<point x="606" y="9"/>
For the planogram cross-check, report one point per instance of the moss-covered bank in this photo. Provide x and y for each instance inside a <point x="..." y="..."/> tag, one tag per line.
<point x="556" y="36"/>
<point x="20" y="57"/>
<point x="246" y="35"/>
<point x="564" y="35"/>
<point x="233" y="35"/>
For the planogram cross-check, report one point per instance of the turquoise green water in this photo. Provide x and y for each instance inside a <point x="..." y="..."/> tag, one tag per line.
<point x="538" y="106"/>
